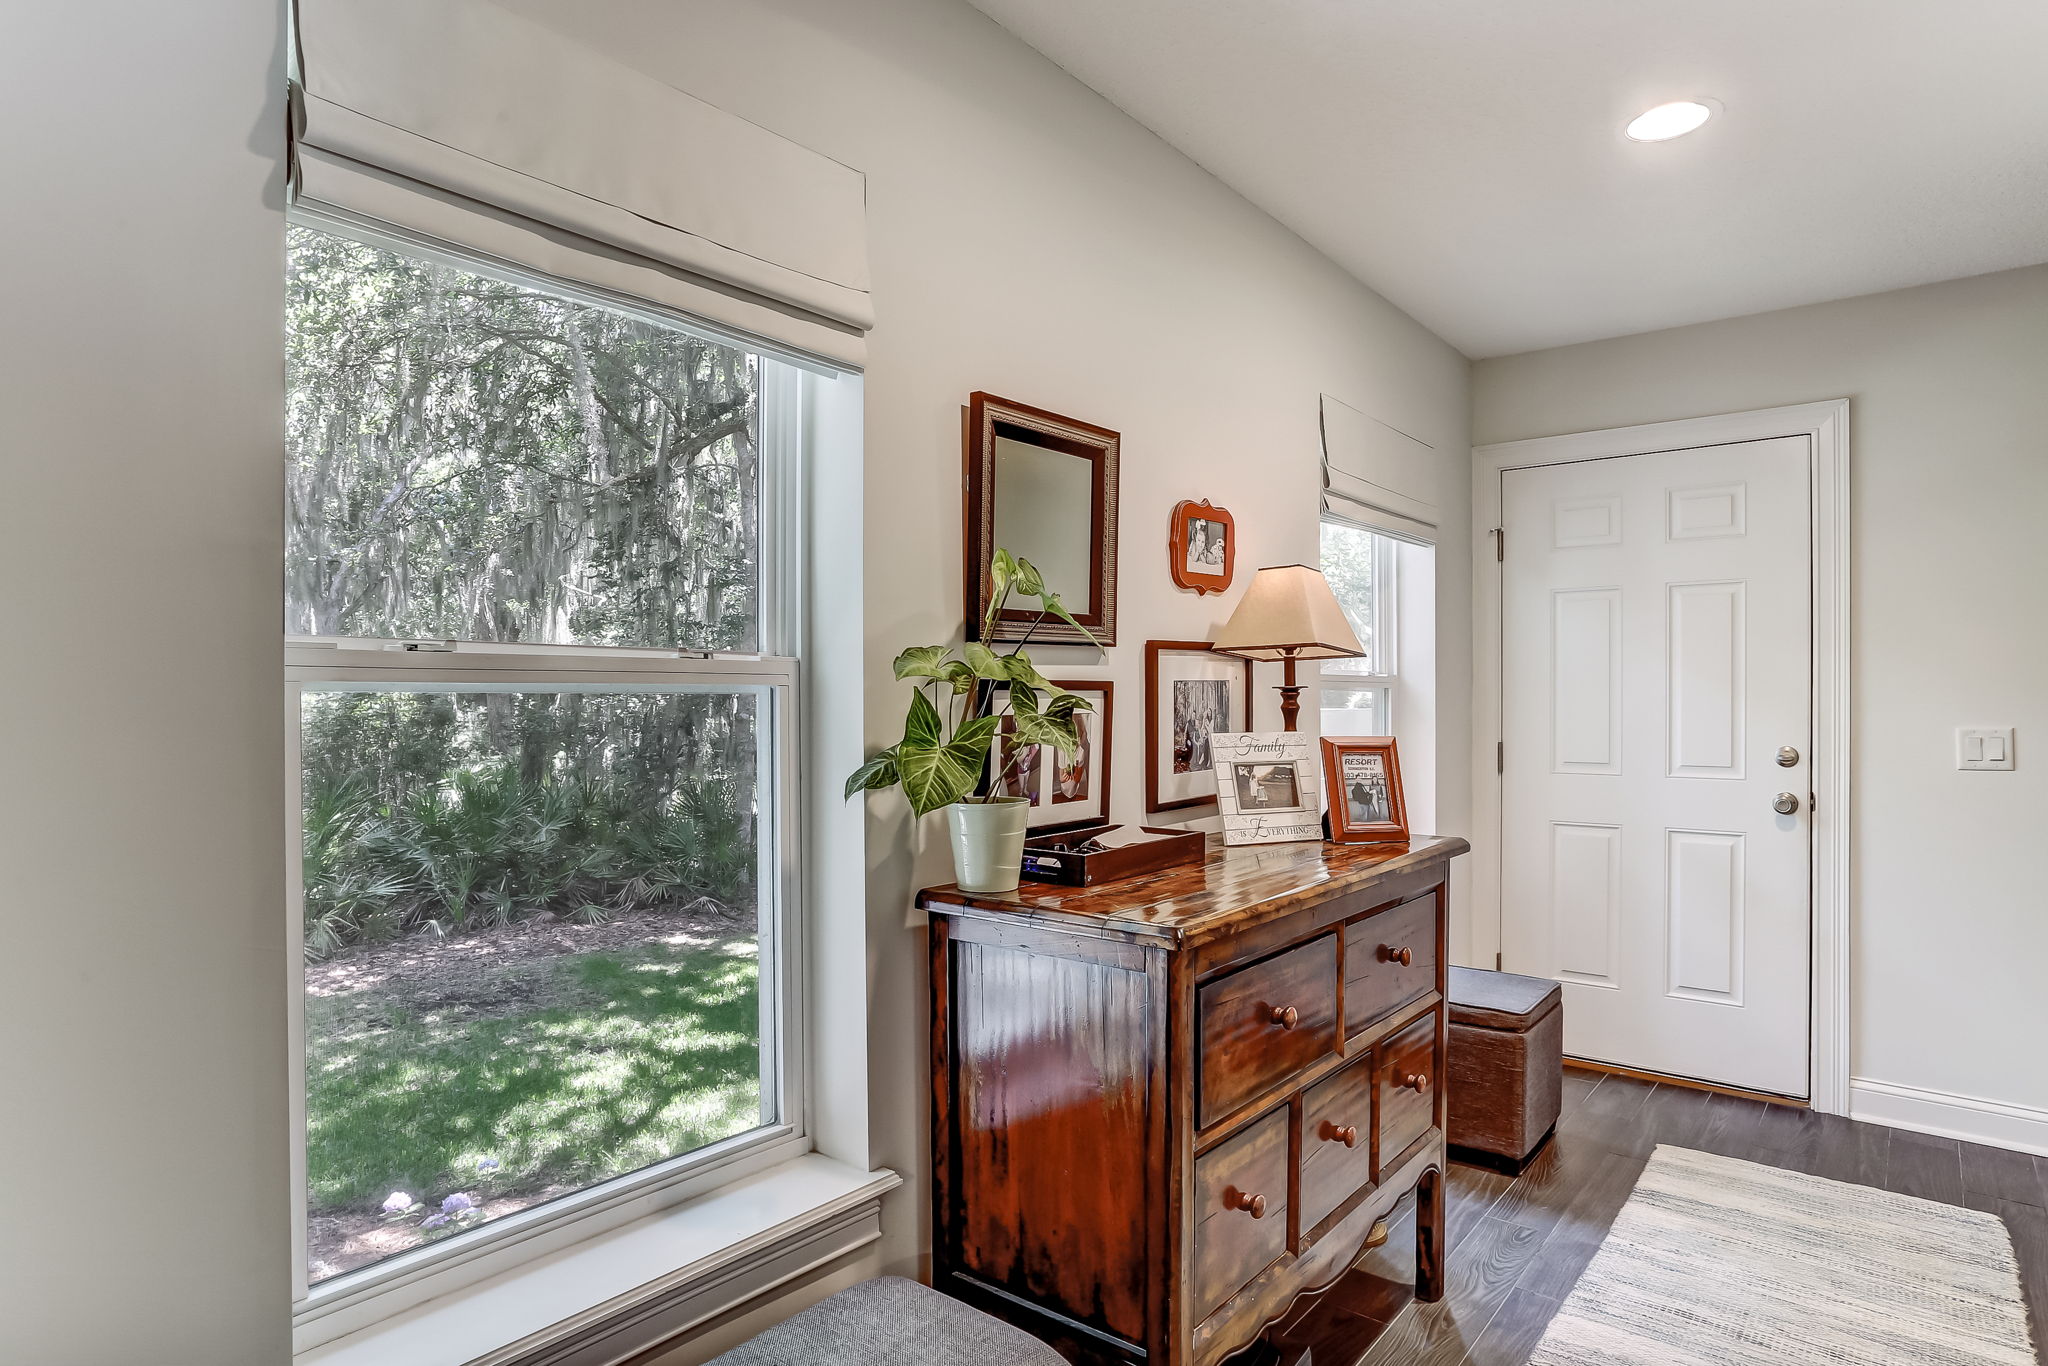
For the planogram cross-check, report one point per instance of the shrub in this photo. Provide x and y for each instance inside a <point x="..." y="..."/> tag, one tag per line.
<point x="486" y="847"/>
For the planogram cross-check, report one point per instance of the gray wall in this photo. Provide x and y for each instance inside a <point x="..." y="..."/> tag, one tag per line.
<point x="1948" y="390"/>
<point x="143" y="969"/>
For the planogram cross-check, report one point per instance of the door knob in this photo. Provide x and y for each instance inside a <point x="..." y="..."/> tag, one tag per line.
<point x="1786" y="804"/>
<point x="1788" y="757"/>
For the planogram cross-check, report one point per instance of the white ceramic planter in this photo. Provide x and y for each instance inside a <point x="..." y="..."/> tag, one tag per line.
<point x="988" y="843"/>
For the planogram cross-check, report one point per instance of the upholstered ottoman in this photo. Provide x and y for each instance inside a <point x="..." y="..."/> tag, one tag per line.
<point x="1506" y="1064"/>
<point x="891" y="1322"/>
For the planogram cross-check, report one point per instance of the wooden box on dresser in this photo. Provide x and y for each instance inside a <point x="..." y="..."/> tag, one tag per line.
<point x="1164" y="1108"/>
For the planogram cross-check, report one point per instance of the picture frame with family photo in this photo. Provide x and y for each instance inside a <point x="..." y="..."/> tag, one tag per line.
<point x="1061" y="792"/>
<point x="1191" y="692"/>
<point x="1201" y="546"/>
<point x="1363" y="774"/>
<point x="1266" y="787"/>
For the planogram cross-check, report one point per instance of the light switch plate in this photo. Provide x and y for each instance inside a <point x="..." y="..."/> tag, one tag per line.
<point x="1984" y="748"/>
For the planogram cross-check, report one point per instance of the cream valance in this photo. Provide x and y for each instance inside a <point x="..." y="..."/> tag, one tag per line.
<point x="466" y="123"/>
<point x="1376" y="476"/>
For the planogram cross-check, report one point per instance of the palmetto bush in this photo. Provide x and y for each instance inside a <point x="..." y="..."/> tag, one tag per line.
<point x="484" y="847"/>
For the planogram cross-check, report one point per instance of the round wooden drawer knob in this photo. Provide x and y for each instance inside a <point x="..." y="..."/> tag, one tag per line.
<point x="1287" y="1017"/>
<point x="1416" y="1081"/>
<point x="1405" y="957"/>
<point x="1254" y="1205"/>
<point x="1347" y="1135"/>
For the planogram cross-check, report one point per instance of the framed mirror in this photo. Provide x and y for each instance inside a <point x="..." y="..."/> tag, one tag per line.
<point x="1043" y="487"/>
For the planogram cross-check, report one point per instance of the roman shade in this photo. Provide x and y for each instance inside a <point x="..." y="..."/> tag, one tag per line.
<point x="1377" y="477"/>
<point x="464" y="123"/>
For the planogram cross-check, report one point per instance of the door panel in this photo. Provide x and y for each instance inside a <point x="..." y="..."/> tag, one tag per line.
<point x="1657" y="652"/>
<point x="1585" y="901"/>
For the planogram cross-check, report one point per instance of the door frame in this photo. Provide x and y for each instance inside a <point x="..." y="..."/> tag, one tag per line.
<point x="1827" y="426"/>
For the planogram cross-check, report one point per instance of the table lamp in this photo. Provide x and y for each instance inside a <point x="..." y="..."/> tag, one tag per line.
<point x="1289" y="613"/>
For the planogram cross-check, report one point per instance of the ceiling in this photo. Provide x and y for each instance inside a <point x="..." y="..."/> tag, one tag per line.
<point x="1465" y="157"/>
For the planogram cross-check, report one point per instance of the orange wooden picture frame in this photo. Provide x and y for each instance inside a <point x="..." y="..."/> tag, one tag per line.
<point x="1200" y="580"/>
<point x="1345" y="830"/>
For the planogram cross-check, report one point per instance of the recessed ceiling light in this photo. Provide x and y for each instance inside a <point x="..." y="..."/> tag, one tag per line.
<point x="1668" y="121"/>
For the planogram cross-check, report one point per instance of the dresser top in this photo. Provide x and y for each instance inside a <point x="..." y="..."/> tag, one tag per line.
<point x="1231" y="888"/>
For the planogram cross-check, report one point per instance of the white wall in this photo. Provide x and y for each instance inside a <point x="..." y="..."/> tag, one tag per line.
<point x="1949" y="469"/>
<point x="1028" y="239"/>
<point x="142" y="978"/>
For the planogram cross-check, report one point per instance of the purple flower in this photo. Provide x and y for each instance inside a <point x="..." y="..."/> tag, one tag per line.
<point x="457" y="1203"/>
<point x="433" y="1221"/>
<point x="487" y="1164"/>
<point x="398" y="1202"/>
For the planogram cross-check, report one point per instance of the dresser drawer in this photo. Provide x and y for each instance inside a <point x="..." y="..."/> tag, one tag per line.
<point x="1389" y="960"/>
<point x="1336" y="1141"/>
<point x="1262" y="1024"/>
<point x="1240" y="1210"/>
<point x="1408" y="1075"/>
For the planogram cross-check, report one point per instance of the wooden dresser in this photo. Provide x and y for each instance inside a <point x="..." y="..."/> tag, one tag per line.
<point x="1164" y="1108"/>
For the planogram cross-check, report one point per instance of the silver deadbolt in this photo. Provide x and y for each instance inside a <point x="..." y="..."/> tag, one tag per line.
<point x="1788" y="757"/>
<point x="1786" y="804"/>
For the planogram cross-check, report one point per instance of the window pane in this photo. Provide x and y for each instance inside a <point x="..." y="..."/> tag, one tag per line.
<point x="1348" y="566"/>
<point x="533" y="927"/>
<point x="476" y="460"/>
<point x="1354" y="711"/>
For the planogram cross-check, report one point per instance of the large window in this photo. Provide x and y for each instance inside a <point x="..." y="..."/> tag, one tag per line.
<point x="1357" y="694"/>
<point x="543" y="676"/>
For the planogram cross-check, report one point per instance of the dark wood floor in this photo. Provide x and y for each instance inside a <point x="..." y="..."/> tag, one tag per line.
<point x="1518" y="1245"/>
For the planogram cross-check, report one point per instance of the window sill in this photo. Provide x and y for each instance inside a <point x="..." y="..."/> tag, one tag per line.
<point x="634" y="1286"/>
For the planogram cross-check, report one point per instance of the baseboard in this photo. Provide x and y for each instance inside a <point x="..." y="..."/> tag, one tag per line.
<point x="2020" y="1127"/>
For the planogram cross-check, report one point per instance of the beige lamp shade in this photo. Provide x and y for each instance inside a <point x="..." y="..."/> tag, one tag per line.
<point x="1289" y="612"/>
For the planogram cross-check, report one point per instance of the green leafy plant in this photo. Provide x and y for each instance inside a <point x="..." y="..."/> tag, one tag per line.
<point x="958" y="704"/>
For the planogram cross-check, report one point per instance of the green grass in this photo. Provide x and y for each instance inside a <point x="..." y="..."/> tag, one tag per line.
<point x="629" y="1058"/>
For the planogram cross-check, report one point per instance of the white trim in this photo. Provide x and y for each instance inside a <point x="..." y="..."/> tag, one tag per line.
<point x="660" y="1275"/>
<point x="384" y="1292"/>
<point x="1826" y="425"/>
<point x="838" y="933"/>
<point x="544" y="667"/>
<point x="295" y="976"/>
<point x="2022" y="1128"/>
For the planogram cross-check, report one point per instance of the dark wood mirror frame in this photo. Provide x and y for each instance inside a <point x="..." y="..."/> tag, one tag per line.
<point x="989" y="417"/>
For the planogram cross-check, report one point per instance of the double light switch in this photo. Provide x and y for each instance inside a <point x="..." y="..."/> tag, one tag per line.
<point x="1984" y="747"/>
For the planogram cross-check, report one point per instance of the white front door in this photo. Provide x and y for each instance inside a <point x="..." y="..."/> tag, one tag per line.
<point x="1657" y="653"/>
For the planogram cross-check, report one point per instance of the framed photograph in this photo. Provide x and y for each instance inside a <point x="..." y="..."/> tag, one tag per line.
<point x="1364" y="777"/>
<point x="1201" y="547"/>
<point x="1064" y="793"/>
<point x="1266" y="787"/>
<point x="1191" y="692"/>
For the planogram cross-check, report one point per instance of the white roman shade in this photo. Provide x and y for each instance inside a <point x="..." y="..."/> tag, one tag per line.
<point x="462" y="122"/>
<point x="1377" y="477"/>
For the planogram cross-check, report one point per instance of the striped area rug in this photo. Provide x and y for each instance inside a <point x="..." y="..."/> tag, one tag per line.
<point x="1715" y="1262"/>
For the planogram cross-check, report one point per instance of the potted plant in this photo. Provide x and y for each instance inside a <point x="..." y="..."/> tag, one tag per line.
<point x="957" y="706"/>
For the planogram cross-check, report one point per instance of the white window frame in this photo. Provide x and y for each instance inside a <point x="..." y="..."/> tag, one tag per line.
<point x="1384" y="654"/>
<point x="354" y="1300"/>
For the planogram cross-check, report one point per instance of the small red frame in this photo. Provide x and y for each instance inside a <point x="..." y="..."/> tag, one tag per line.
<point x="1196" y="573"/>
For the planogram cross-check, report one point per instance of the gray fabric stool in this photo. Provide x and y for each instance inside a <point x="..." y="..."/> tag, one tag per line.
<point x="891" y="1322"/>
